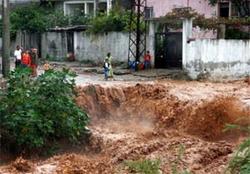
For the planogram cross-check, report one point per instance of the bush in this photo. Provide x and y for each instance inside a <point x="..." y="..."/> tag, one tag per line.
<point x="115" y="21"/>
<point x="234" y="33"/>
<point x="34" y="113"/>
<point x="241" y="160"/>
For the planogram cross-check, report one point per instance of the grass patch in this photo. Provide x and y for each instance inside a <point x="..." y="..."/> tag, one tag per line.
<point x="144" y="166"/>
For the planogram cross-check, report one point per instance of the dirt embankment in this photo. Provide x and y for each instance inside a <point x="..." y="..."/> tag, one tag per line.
<point x="151" y="121"/>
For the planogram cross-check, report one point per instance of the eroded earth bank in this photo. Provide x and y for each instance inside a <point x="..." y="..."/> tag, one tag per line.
<point x="152" y="120"/>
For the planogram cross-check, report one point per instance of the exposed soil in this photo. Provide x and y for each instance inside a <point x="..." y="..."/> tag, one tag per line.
<point x="151" y="120"/>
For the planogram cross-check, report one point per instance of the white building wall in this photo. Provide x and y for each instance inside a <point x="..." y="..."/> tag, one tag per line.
<point x="219" y="58"/>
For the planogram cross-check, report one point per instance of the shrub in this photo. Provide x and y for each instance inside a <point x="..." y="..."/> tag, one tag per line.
<point x="241" y="160"/>
<point x="115" y="21"/>
<point x="36" y="112"/>
<point x="234" y="33"/>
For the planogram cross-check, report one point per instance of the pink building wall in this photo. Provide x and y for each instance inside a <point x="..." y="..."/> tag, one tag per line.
<point x="162" y="7"/>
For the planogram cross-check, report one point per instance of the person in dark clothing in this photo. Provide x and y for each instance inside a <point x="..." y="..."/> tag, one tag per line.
<point x="34" y="61"/>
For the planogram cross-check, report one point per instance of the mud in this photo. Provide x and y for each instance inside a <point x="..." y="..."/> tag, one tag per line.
<point x="146" y="106"/>
<point x="153" y="120"/>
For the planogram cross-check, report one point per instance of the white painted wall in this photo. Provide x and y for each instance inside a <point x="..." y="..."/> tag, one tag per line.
<point x="220" y="58"/>
<point x="54" y="44"/>
<point x="86" y="46"/>
<point x="95" y="47"/>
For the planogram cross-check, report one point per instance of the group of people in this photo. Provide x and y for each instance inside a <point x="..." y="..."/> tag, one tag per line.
<point x="29" y="59"/>
<point x="108" y="71"/>
<point x="26" y="59"/>
<point x="146" y="64"/>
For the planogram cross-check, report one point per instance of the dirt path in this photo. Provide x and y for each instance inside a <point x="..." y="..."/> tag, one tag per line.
<point x="151" y="119"/>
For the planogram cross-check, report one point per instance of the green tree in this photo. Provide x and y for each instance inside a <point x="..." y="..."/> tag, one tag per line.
<point x="116" y="21"/>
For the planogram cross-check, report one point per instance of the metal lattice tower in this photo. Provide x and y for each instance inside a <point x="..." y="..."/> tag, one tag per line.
<point x="137" y="34"/>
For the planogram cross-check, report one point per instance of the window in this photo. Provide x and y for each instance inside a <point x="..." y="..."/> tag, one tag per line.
<point x="234" y="11"/>
<point x="149" y="12"/>
<point x="75" y="9"/>
<point x="90" y="9"/>
<point x="102" y="7"/>
<point x="78" y="8"/>
<point x="224" y="9"/>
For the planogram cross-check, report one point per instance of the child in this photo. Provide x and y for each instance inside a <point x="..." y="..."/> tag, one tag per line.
<point x="147" y="60"/>
<point x="26" y="59"/>
<point x="110" y="72"/>
<point x="46" y="66"/>
<point x="106" y="68"/>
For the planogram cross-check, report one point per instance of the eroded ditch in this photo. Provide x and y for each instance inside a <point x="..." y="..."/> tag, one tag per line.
<point x="148" y="121"/>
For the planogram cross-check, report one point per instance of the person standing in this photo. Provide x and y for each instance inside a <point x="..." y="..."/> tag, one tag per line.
<point x="34" y="61"/>
<point x="26" y="59"/>
<point x="106" y="68"/>
<point x="18" y="56"/>
<point x="109" y="58"/>
<point x="147" y="60"/>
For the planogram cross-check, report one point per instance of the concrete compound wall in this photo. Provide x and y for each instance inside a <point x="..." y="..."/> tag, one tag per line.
<point x="54" y="44"/>
<point x="92" y="47"/>
<point x="214" y="58"/>
<point x="218" y="58"/>
<point x="95" y="47"/>
<point x="86" y="46"/>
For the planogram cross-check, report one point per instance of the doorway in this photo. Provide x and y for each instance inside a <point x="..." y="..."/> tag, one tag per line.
<point x="168" y="50"/>
<point x="70" y="42"/>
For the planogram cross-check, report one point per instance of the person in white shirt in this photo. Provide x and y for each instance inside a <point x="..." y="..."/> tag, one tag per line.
<point x="18" y="56"/>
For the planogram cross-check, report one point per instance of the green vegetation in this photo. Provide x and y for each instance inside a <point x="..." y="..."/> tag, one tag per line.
<point x="38" y="19"/>
<point x="235" y="33"/>
<point x="35" y="113"/>
<point x="174" y="18"/>
<point x="115" y="21"/>
<point x="240" y="164"/>
<point x="177" y="161"/>
<point x="144" y="166"/>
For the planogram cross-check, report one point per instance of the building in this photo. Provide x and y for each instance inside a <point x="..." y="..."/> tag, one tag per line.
<point x="225" y="8"/>
<point x="87" y="7"/>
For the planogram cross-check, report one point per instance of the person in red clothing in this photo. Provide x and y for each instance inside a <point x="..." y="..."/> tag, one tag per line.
<point x="26" y="59"/>
<point x="147" y="60"/>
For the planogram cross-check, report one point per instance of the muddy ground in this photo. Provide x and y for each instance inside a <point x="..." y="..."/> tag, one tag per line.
<point x="150" y="119"/>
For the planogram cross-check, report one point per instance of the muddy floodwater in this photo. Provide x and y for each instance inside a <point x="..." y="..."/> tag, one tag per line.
<point x="132" y="120"/>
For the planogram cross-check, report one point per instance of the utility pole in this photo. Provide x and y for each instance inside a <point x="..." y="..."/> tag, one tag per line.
<point x="6" y="39"/>
<point x="138" y="29"/>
